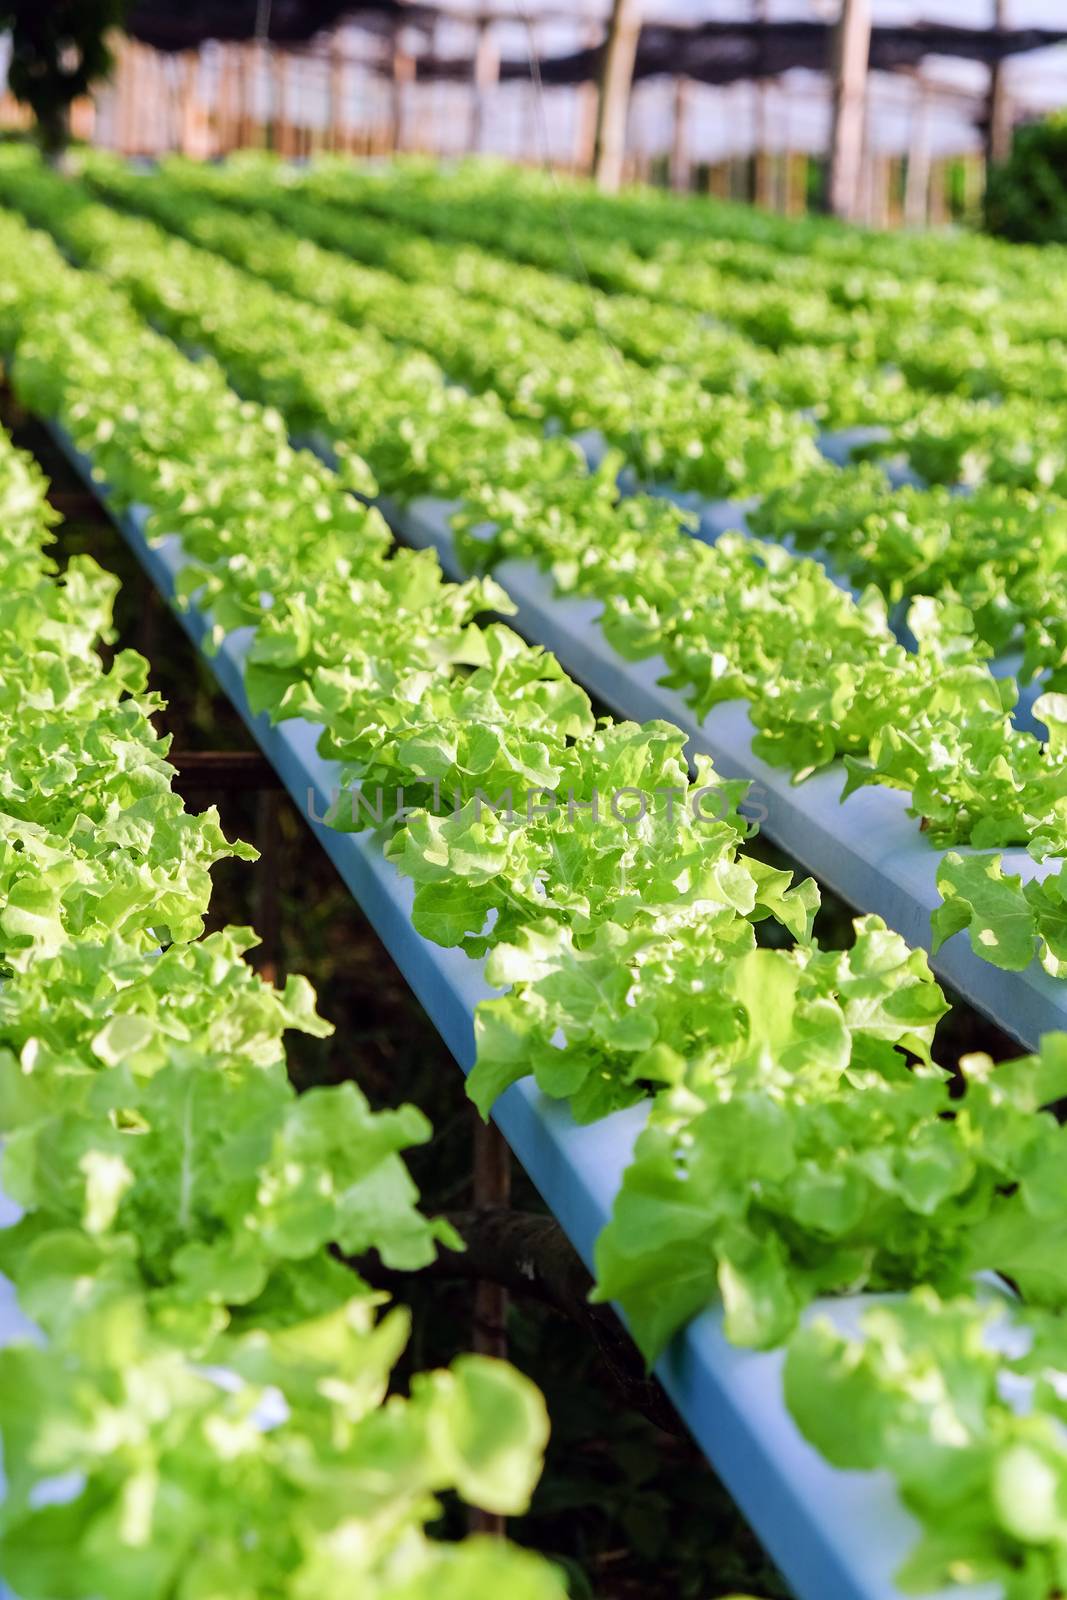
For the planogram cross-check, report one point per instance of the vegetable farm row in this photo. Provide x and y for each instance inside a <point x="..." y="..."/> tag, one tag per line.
<point x="824" y="677"/>
<point x="177" y="1198"/>
<point x="918" y="543"/>
<point x="801" y="1138"/>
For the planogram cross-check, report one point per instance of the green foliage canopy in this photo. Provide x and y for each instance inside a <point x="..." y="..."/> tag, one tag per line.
<point x="57" y="52"/>
<point x="1026" y="197"/>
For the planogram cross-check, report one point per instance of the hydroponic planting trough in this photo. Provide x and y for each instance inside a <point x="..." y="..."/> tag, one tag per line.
<point x="835" y="1535"/>
<point x="867" y="848"/>
<point x="716" y="517"/>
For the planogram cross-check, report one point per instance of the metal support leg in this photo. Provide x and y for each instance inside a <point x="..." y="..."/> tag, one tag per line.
<point x="147" y="615"/>
<point x="492" y="1188"/>
<point x="267" y="902"/>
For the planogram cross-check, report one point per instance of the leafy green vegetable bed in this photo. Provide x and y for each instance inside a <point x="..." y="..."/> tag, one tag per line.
<point x="207" y="1408"/>
<point x="457" y="303"/>
<point x="802" y="1136"/>
<point x="824" y="677"/>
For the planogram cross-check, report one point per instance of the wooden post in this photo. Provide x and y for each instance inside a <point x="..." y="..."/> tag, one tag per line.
<point x="879" y="201"/>
<point x="227" y="113"/>
<point x="124" y="95"/>
<point x="136" y="74"/>
<point x="337" y="119"/>
<point x="796" y="184"/>
<point x="278" y="126"/>
<point x="998" y="114"/>
<point x="264" y="71"/>
<point x="852" y="45"/>
<point x="268" y="912"/>
<point x="938" y="203"/>
<point x="973" y="170"/>
<point x="145" y="100"/>
<point x="679" y="156"/>
<point x="484" y="78"/>
<point x="917" y="184"/>
<point x="403" y="73"/>
<point x="719" y="179"/>
<point x="764" y="165"/>
<point x="187" y="122"/>
<point x="616" y="78"/>
<point x="534" y="133"/>
<point x="585" y="116"/>
<point x="763" y="174"/>
<point x="164" y="103"/>
<point x="83" y="118"/>
<point x="417" y="107"/>
<point x="264" y="66"/>
<point x="764" y="178"/>
<point x="244" y="95"/>
<point x="262" y="98"/>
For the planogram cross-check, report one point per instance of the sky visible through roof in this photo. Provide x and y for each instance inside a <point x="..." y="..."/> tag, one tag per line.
<point x="723" y="122"/>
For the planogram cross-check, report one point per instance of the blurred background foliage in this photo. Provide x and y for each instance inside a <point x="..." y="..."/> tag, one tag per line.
<point x="1026" y="196"/>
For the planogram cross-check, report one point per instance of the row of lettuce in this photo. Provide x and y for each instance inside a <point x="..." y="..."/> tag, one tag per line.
<point x="681" y="394"/>
<point x="801" y="1139"/>
<point x="968" y="378"/>
<point x="658" y="222"/>
<point x="771" y="306"/>
<point x="823" y="674"/>
<point x="719" y="416"/>
<point x="766" y="328"/>
<point x="997" y="330"/>
<point x="199" y="1404"/>
<point x="563" y="355"/>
